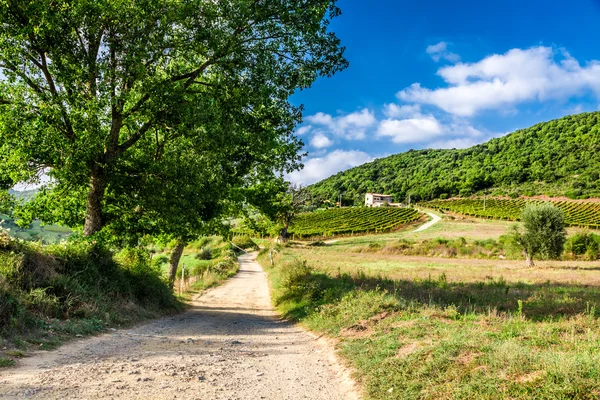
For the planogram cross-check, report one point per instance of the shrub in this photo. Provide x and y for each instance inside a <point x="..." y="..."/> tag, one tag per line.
<point x="583" y="243"/>
<point x="204" y="254"/>
<point x="244" y="242"/>
<point x="159" y="261"/>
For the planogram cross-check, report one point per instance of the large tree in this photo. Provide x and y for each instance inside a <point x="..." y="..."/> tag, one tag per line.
<point x="94" y="91"/>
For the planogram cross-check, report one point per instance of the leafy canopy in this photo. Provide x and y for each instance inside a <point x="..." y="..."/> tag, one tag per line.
<point x="143" y="110"/>
<point x="544" y="231"/>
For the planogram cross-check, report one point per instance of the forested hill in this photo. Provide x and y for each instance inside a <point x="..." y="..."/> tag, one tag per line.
<point x="556" y="158"/>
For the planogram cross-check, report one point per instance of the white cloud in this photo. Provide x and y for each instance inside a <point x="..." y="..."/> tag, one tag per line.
<point x="412" y="130"/>
<point x="429" y="131"/>
<point x="320" y="141"/>
<point x="501" y="81"/>
<point x="397" y="111"/>
<point x="303" y="129"/>
<point x="318" y="168"/>
<point x="351" y="126"/>
<point x="440" y="51"/>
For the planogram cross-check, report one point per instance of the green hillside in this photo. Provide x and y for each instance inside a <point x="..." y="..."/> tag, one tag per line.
<point x="556" y="158"/>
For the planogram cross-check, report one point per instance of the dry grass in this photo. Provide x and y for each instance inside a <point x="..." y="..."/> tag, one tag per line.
<point x="400" y="267"/>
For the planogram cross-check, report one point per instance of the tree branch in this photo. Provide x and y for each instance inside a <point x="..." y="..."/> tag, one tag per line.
<point x="69" y="133"/>
<point x="135" y="137"/>
<point x="30" y="82"/>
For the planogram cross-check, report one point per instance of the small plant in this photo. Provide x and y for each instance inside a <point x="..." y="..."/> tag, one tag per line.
<point x="204" y="254"/>
<point x="244" y="242"/>
<point x="7" y="362"/>
<point x="16" y="353"/>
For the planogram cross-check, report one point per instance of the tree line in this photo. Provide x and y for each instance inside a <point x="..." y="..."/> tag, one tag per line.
<point x="556" y="158"/>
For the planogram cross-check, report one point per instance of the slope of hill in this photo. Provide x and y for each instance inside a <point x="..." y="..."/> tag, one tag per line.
<point x="556" y="158"/>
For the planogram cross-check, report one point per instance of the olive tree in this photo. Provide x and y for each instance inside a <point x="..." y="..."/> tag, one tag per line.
<point x="94" y="93"/>
<point x="543" y="234"/>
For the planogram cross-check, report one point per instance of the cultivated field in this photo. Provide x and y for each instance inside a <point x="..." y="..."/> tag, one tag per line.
<point x="577" y="213"/>
<point x="349" y="221"/>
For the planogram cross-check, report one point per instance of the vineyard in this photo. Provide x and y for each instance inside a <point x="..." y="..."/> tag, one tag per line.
<point x="583" y="214"/>
<point x="344" y="221"/>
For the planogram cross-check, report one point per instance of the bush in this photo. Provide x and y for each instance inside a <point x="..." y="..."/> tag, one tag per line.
<point x="159" y="261"/>
<point x="204" y="254"/>
<point x="544" y="233"/>
<point x="80" y="281"/>
<point x="244" y="242"/>
<point x="583" y="243"/>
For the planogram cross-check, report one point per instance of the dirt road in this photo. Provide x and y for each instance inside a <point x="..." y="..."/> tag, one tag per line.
<point x="230" y="345"/>
<point x="434" y="220"/>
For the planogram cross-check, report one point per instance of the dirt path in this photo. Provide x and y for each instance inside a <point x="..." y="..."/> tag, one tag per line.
<point x="230" y="345"/>
<point x="434" y="220"/>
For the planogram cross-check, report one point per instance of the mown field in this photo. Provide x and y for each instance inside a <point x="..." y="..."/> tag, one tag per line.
<point x="36" y="232"/>
<point x="577" y="213"/>
<point x="448" y="327"/>
<point x="348" y="221"/>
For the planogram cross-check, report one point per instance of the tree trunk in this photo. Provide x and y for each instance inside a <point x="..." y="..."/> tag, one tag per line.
<point x="283" y="235"/>
<point x="93" y="212"/>
<point x="174" y="262"/>
<point x="528" y="260"/>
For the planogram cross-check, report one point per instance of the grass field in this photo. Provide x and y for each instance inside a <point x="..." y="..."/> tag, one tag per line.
<point x="448" y="328"/>
<point x="35" y="232"/>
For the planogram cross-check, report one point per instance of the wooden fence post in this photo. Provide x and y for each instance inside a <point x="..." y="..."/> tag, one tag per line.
<point x="181" y="283"/>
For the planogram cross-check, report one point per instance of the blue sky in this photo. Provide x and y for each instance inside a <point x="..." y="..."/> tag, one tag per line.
<point x="444" y="74"/>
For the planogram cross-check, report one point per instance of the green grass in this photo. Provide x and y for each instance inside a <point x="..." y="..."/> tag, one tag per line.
<point x="436" y="338"/>
<point x="36" y="232"/>
<point x="7" y="362"/>
<point x="201" y="273"/>
<point x="51" y="293"/>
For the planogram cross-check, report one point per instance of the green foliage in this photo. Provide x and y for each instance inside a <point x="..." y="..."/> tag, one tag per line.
<point x="79" y="285"/>
<point x="577" y="213"/>
<point x="437" y="247"/>
<point x="584" y="243"/>
<point x="204" y="254"/>
<point x="7" y="362"/>
<point x="146" y="126"/>
<point x="340" y="221"/>
<point x="244" y="242"/>
<point x="544" y="232"/>
<point x="549" y="158"/>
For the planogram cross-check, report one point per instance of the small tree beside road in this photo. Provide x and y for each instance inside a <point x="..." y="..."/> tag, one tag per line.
<point x="544" y="232"/>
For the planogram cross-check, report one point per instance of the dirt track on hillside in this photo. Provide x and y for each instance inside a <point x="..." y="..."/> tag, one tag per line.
<point x="230" y="345"/>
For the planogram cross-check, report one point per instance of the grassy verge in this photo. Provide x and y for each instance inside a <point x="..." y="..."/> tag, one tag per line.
<point x="431" y="338"/>
<point x="205" y="263"/>
<point x="49" y="294"/>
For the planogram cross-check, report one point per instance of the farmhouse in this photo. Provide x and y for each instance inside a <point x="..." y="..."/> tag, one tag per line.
<point x="376" y="200"/>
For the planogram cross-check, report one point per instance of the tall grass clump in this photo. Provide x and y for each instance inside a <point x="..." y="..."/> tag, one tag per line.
<point x="76" y="287"/>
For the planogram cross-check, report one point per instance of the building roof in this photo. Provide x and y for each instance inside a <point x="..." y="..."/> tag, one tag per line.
<point x="382" y="195"/>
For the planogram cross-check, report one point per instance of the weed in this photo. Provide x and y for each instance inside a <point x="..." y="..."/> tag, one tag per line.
<point x="15" y="353"/>
<point x="7" y="362"/>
